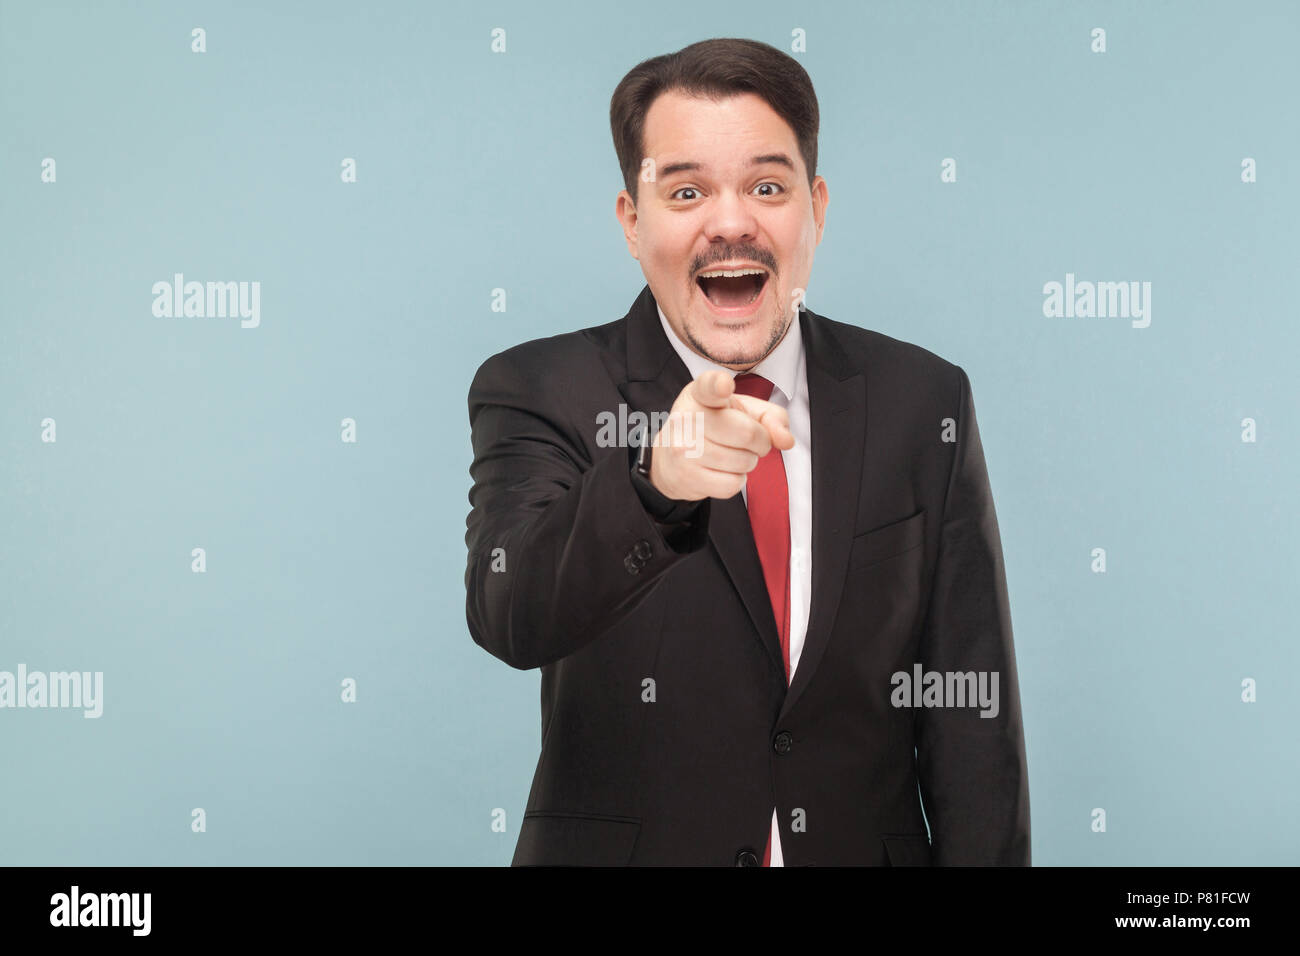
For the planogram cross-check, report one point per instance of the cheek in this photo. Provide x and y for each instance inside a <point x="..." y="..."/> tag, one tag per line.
<point x="797" y="236"/>
<point x="798" y="263"/>
<point x="661" y="241"/>
<point x="667" y="260"/>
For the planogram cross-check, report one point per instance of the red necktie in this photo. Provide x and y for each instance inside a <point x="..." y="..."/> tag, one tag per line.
<point x="768" y="498"/>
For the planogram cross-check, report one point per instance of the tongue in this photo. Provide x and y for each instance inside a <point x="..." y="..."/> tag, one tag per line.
<point x="730" y="292"/>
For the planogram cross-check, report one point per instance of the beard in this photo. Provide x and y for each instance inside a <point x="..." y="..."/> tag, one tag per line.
<point x="739" y="356"/>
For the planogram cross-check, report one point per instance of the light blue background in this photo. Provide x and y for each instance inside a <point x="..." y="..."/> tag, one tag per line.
<point x="478" y="170"/>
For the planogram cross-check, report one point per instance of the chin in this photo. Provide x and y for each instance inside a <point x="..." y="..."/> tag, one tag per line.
<point x="738" y="343"/>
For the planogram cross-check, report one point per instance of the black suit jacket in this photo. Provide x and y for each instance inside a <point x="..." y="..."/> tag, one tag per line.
<point x="668" y="733"/>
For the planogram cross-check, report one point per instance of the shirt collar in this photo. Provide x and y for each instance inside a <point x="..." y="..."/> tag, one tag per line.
<point x="780" y="367"/>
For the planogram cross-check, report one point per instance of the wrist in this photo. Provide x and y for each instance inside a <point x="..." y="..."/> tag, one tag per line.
<point x="661" y="506"/>
<point x="648" y="465"/>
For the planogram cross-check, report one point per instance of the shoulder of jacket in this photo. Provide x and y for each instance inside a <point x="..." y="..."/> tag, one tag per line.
<point x="565" y="356"/>
<point x="894" y="359"/>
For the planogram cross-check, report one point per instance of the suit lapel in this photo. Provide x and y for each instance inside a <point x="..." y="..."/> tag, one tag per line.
<point x="837" y="412"/>
<point x="837" y="406"/>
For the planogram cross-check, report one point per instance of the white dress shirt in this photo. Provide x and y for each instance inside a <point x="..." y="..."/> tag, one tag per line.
<point x="785" y="368"/>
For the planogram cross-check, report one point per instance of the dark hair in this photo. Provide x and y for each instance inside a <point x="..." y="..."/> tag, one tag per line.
<point x="714" y="68"/>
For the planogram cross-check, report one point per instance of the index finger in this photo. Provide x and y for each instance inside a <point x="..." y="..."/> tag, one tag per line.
<point x="770" y="415"/>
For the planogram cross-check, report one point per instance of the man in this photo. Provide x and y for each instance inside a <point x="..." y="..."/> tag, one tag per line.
<point x="779" y="634"/>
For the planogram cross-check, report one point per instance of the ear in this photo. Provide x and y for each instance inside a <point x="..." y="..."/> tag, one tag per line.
<point x="820" y="199"/>
<point x="625" y="210"/>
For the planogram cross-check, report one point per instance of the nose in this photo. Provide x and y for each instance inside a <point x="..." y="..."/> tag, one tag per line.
<point x="730" y="220"/>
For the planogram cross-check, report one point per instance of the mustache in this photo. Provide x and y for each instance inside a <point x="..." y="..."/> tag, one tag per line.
<point x="751" y="253"/>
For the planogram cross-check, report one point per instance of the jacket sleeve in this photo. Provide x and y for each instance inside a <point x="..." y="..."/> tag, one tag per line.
<point x="560" y="548"/>
<point x="972" y="770"/>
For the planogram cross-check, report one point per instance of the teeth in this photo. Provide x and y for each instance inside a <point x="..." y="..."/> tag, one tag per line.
<point x="732" y="273"/>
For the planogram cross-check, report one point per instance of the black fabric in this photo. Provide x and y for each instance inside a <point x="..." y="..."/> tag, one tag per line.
<point x="668" y="733"/>
<point x="661" y="507"/>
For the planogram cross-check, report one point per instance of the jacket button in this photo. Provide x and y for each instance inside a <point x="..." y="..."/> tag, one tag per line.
<point x="630" y="563"/>
<point x="746" y="858"/>
<point x="643" y="550"/>
<point x="782" y="741"/>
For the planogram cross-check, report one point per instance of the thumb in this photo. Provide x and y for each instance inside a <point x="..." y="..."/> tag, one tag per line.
<point x="713" y="389"/>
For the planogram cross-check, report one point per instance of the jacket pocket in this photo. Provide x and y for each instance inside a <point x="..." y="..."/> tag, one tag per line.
<point x="888" y="541"/>
<point x="907" y="849"/>
<point x="575" y="839"/>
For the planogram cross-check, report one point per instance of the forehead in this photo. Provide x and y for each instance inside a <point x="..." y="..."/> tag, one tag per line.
<point x="684" y="128"/>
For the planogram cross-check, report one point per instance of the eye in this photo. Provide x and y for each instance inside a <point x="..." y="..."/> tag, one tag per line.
<point x="773" y="185"/>
<point x="684" y="189"/>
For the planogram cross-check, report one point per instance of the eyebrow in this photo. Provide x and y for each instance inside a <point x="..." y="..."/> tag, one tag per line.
<point x="778" y="158"/>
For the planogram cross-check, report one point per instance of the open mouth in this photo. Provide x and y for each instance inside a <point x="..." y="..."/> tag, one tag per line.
<point x="732" y="288"/>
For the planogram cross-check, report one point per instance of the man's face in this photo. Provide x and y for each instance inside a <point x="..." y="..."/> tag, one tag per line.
<point x="728" y="187"/>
